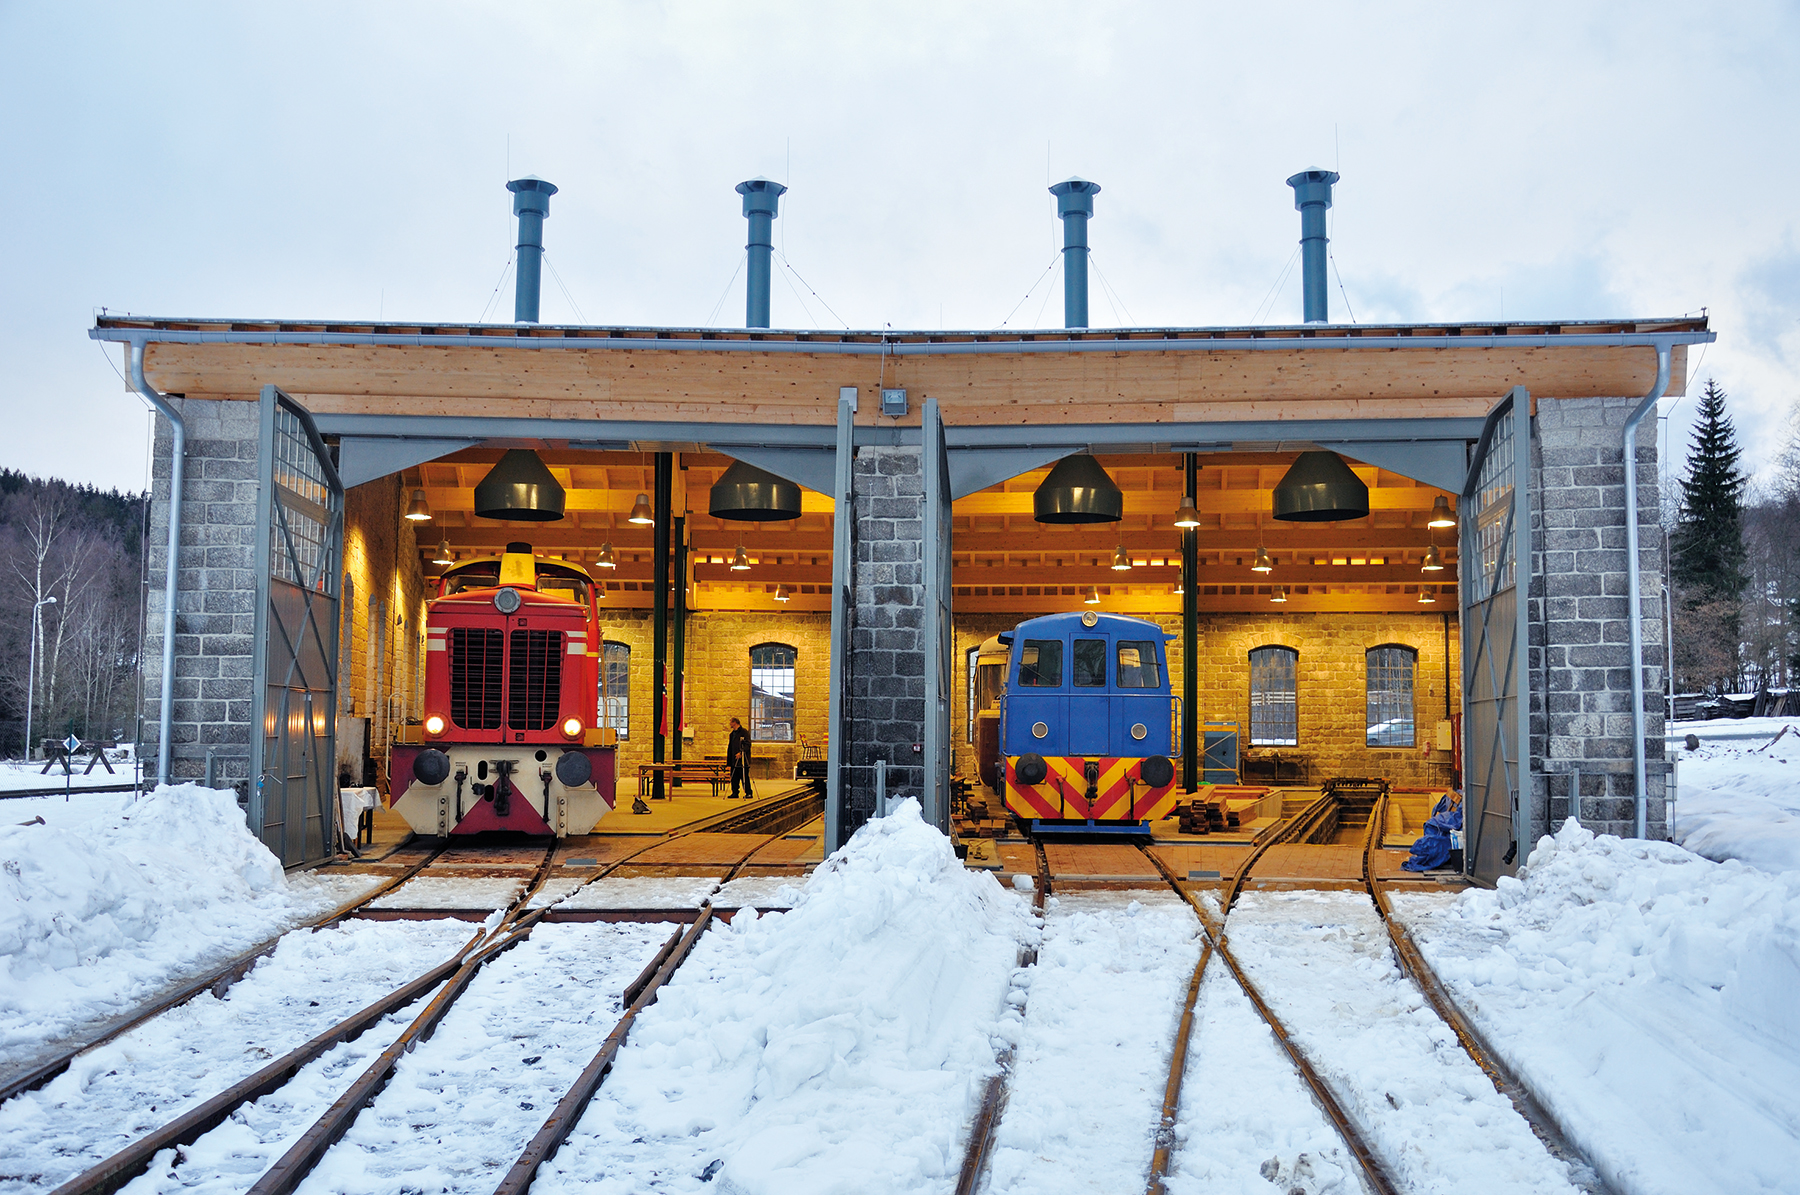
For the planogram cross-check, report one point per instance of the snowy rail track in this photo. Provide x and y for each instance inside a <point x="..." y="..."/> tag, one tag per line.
<point x="510" y="981"/>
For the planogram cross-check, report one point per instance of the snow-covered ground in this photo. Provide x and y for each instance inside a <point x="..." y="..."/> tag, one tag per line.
<point x="1740" y="798"/>
<point x="1088" y="1076"/>
<point x="1648" y="998"/>
<point x="101" y="910"/>
<point x="16" y="775"/>
<point x="840" y="1046"/>
<point x="147" y="1077"/>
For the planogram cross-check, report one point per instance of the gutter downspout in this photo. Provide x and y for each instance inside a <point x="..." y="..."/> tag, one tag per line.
<point x="1634" y="583"/>
<point x="142" y="385"/>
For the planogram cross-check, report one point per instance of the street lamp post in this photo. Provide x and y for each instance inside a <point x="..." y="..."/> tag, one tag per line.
<point x="31" y="669"/>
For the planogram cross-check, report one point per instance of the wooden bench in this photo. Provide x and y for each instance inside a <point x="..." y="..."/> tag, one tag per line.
<point x="714" y="772"/>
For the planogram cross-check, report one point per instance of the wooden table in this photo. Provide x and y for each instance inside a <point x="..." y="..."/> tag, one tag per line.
<point x="715" y="772"/>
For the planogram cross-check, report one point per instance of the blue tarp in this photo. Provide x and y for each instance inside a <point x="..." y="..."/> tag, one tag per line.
<point x="1433" y="848"/>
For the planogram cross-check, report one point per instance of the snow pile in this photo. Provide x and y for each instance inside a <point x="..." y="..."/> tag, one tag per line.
<point x="1646" y="995"/>
<point x="840" y="1046"/>
<point x="97" y="917"/>
<point x="1741" y="800"/>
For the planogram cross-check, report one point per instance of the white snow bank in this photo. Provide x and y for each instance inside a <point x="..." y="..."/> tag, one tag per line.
<point x="97" y="918"/>
<point x="15" y="775"/>
<point x="840" y="1046"/>
<point x="452" y="892"/>
<point x="643" y="892"/>
<point x="1741" y="800"/>
<point x="759" y="892"/>
<point x="1104" y="1001"/>
<point x="1646" y="996"/>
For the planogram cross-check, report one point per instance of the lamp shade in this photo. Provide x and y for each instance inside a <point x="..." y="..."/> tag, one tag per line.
<point x="606" y="560"/>
<point x="1078" y="491"/>
<point x="1263" y="563"/>
<point x="1320" y="488"/>
<point x="443" y="553"/>
<point x="1187" y="517"/>
<point x="739" y="561"/>
<point x="1433" y="563"/>
<point x="640" y="512"/>
<point x="1440" y="513"/>
<point x="1121" y="560"/>
<point x="519" y="488"/>
<point x="417" y="511"/>
<point x="1280" y="594"/>
<point x="751" y="495"/>
<point x="1425" y="597"/>
<point x="781" y="593"/>
<point x="1093" y="597"/>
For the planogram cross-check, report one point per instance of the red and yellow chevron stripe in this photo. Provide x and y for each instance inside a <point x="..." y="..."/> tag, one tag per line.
<point x="1119" y="795"/>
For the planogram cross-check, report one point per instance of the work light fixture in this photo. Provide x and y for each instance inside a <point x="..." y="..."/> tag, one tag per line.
<point x="1425" y="595"/>
<point x="740" y="562"/>
<point x="1263" y="563"/>
<point x="1432" y="562"/>
<point x="1187" y="517"/>
<point x="606" y="559"/>
<point x="640" y="511"/>
<point x="1121" y="562"/>
<point x="1279" y="595"/>
<point x="417" y="511"/>
<point x="781" y="593"/>
<point x="1440" y="513"/>
<point x="443" y="553"/>
<point x="1093" y="597"/>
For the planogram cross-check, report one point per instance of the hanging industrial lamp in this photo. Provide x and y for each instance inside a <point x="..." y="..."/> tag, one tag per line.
<point x="781" y="593"/>
<point x="1279" y="595"/>
<point x="519" y="488"/>
<point x="1121" y="560"/>
<point x="1320" y="488"/>
<point x="1432" y="563"/>
<point x="1093" y="597"/>
<point x="640" y="512"/>
<point x="1263" y="563"/>
<point x="1425" y="596"/>
<point x="1440" y="513"/>
<point x="747" y="494"/>
<point x="443" y="553"/>
<point x="1078" y="491"/>
<point x="418" y="512"/>
<point x="606" y="559"/>
<point x="740" y="562"/>
<point x="1187" y="517"/>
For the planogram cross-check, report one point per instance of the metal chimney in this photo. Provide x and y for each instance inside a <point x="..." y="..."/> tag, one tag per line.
<point x="1075" y="203"/>
<point x="762" y="203"/>
<point x="1312" y="197"/>
<point x="531" y="203"/>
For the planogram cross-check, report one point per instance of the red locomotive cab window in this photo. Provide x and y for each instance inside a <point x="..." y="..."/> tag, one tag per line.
<point x="1090" y="663"/>
<point x="1137" y="665"/>
<point x="1040" y="664"/>
<point x="483" y="575"/>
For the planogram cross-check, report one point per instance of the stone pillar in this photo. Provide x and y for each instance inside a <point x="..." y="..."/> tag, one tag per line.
<point x="887" y="636"/>
<point x="215" y="619"/>
<point x="1580" y="656"/>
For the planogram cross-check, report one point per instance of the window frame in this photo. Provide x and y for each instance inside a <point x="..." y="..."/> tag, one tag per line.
<point x="607" y="695"/>
<point x="1155" y="665"/>
<point x="792" y="667"/>
<point x="1411" y="654"/>
<point x="969" y="666"/>
<point x="1257" y="737"/>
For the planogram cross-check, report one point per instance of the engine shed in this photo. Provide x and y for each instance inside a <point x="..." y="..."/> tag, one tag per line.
<point x="1473" y="628"/>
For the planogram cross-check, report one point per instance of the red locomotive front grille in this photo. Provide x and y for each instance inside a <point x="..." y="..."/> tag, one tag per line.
<point x="534" y="679"/>
<point x="475" y="673"/>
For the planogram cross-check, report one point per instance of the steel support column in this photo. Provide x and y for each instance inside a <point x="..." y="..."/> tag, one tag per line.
<point x="659" y="633"/>
<point x="1190" y="635"/>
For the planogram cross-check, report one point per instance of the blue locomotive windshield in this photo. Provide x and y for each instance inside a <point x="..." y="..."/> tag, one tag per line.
<point x="1040" y="664"/>
<point x="1090" y="663"/>
<point x="1137" y="665"/>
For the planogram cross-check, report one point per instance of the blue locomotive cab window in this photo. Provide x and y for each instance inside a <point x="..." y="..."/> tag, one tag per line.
<point x="1040" y="664"/>
<point x="1090" y="663"/>
<point x="1137" y="665"/>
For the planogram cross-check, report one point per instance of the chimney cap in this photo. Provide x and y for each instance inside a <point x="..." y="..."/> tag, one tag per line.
<point x="1075" y="195"/>
<point x="761" y="195"/>
<point x="531" y="194"/>
<point x="1312" y="186"/>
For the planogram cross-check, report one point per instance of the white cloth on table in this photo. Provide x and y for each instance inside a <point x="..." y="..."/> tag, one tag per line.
<point x="352" y="802"/>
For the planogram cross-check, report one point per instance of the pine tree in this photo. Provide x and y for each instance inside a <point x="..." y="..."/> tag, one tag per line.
<point x="1709" y="561"/>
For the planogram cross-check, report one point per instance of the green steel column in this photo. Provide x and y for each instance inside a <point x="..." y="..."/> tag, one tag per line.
<point x="659" y="633"/>
<point x="1190" y="636"/>
<point x="678" y="642"/>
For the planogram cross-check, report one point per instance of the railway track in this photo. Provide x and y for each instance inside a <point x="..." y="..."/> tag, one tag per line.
<point x="445" y="984"/>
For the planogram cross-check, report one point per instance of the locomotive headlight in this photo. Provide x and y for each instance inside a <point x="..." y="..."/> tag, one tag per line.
<point x="571" y="728"/>
<point x="507" y="601"/>
<point x="434" y="724"/>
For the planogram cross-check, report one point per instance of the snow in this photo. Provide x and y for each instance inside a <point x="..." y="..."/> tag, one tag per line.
<point x="99" y="915"/>
<point x="1646" y="995"/>
<point x="16" y="776"/>
<point x="1740" y="799"/>
<point x="145" y="1078"/>
<point x="1324" y="964"/>
<point x="839" y="1046"/>
<point x="1093" y="1056"/>
<point x="759" y="892"/>
<point x="643" y="892"/>
<point x="451" y="892"/>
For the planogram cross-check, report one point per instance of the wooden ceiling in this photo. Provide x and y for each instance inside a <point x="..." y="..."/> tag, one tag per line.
<point x="1004" y="561"/>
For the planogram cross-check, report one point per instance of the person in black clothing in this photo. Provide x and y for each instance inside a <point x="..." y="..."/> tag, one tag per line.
<point x="737" y="755"/>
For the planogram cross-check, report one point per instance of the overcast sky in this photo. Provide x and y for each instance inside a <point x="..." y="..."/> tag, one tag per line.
<point x="1556" y="161"/>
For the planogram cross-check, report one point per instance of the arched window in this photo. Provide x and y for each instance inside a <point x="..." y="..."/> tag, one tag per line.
<point x="615" y="705"/>
<point x="772" y="693"/>
<point x="1274" y="711"/>
<point x="1390" y="685"/>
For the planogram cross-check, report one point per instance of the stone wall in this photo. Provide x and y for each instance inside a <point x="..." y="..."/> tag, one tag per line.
<point x="887" y="632"/>
<point x="1580" y="647"/>
<point x="1331" y="690"/>
<point x="381" y="633"/>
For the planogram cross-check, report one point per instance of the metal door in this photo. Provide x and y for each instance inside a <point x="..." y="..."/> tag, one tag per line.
<point x="934" y="464"/>
<point x="1494" y="524"/>
<point x="299" y="550"/>
<point x="843" y="603"/>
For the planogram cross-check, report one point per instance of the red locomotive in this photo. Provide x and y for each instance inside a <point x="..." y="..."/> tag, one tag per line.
<point x="512" y="695"/>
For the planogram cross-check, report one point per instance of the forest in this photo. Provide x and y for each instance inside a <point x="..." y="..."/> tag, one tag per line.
<point x="73" y="555"/>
